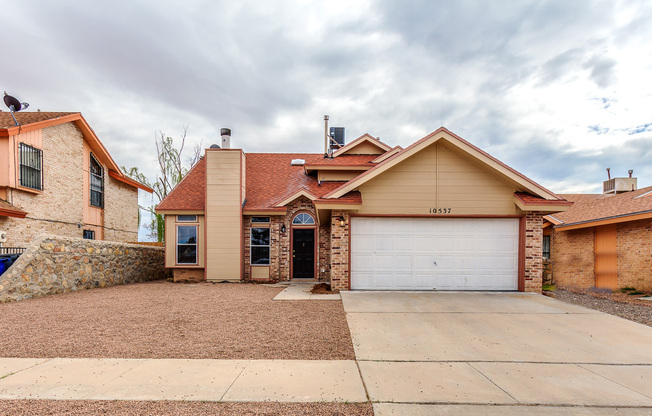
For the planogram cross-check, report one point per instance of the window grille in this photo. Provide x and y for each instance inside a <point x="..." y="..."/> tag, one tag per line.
<point x="303" y="219"/>
<point x="31" y="166"/>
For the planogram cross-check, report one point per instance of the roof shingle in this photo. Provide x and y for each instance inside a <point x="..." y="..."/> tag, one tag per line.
<point x="30" y="117"/>
<point x="594" y="207"/>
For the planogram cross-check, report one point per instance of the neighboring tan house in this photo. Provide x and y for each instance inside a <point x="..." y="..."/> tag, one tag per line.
<point x="603" y="240"/>
<point x="438" y="215"/>
<point x="56" y="177"/>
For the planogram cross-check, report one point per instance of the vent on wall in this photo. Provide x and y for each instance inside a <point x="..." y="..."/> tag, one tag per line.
<point x="619" y="185"/>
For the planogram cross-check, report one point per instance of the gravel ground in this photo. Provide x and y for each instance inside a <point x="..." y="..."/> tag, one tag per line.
<point x="171" y="320"/>
<point x="618" y="304"/>
<point x="131" y="408"/>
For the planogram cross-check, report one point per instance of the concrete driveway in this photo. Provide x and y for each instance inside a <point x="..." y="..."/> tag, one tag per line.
<point x="467" y="353"/>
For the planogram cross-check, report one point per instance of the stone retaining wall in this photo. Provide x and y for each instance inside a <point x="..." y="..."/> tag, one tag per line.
<point x="54" y="264"/>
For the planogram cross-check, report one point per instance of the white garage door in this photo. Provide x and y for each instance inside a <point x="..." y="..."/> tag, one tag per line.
<point x="434" y="253"/>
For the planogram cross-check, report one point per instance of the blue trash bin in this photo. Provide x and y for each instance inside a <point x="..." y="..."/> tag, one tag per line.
<point x="4" y="264"/>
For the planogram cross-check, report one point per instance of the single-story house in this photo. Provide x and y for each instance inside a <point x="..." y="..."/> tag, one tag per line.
<point x="440" y="214"/>
<point x="603" y="240"/>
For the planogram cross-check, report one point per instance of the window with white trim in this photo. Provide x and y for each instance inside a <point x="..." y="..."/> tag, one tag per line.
<point x="186" y="244"/>
<point x="31" y="166"/>
<point x="259" y="250"/>
<point x="303" y="219"/>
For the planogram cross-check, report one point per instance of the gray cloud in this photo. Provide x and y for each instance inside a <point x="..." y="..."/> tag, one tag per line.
<point x="270" y="72"/>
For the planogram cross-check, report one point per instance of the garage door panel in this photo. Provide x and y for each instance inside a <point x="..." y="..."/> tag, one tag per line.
<point x="362" y="262"/>
<point x="403" y="264"/>
<point x="427" y="253"/>
<point x="404" y="244"/>
<point x="362" y="243"/>
<point x="383" y="244"/>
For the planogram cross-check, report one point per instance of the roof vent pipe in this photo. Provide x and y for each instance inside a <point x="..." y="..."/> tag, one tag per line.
<point x="608" y="173"/>
<point x="226" y="138"/>
<point x="326" y="136"/>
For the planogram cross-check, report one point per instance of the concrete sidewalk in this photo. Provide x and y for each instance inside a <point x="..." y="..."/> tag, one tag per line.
<point x="174" y="379"/>
<point x="297" y="290"/>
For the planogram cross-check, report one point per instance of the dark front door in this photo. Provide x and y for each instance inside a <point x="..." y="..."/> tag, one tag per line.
<point x="303" y="253"/>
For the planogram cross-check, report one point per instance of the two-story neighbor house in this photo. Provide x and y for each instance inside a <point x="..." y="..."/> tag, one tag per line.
<point x="440" y="214"/>
<point x="56" y="177"/>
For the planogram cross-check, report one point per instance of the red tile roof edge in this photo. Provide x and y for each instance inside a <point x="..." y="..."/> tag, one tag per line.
<point x="9" y="210"/>
<point x="528" y="199"/>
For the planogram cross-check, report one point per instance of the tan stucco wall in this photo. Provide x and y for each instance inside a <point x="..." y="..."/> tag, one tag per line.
<point x="224" y="214"/>
<point x="435" y="178"/>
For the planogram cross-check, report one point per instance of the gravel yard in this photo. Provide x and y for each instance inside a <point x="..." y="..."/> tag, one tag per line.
<point x="619" y="304"/>
<point x="167" y="320"/>
<point x="132" y="408"/>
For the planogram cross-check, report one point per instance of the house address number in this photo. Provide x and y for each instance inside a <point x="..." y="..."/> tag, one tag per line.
<point x="440" y="210"/>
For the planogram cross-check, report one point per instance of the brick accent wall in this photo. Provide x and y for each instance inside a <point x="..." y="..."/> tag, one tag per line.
<point x="189" y="275"/>
<point x="340" y="271"/>
<point x="59" y="207"/>
<point x="573" y="259"/>
<point x="634" y="246"/>
<point x="324" y="265"/>
<point x="280" y="255"/>
<point x="533" y="252"/>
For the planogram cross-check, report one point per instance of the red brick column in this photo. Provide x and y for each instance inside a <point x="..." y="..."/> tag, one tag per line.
<point x="533" y="251"/>
<point x="340" y="250"/>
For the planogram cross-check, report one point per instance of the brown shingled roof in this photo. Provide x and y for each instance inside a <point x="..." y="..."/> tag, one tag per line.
<point x="270" y="177"/>
<point x="595" y="207"/>
<point x="29" y="117"/>
<point x="190" y="193"/>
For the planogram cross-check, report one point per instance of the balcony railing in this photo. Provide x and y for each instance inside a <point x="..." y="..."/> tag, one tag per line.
<point x="6" y="251"/>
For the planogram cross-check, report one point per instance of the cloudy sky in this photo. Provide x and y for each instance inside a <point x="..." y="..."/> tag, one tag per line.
<point x="559" y="90"/>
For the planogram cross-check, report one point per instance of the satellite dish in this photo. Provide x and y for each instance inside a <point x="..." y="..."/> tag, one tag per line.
<point x="14" y="105"/>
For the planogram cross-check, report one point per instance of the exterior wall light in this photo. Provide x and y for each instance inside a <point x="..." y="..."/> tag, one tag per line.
<point x="342" y="221"/>
<point x="283" y="228"/>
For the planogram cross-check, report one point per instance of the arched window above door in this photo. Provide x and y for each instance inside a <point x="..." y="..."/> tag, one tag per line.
<point x="303" y="219"/>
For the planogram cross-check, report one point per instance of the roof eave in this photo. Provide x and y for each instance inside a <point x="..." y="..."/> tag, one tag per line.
<point x="605" y="221"/>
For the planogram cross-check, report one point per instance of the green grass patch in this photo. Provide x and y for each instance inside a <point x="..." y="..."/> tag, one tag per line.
<point x="636" y="292"/>
<point x="549" y="288"/>
<point x="627" y="289"/>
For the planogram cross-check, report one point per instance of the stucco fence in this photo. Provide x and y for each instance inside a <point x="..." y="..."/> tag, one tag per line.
<point x="53" y="264"/>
